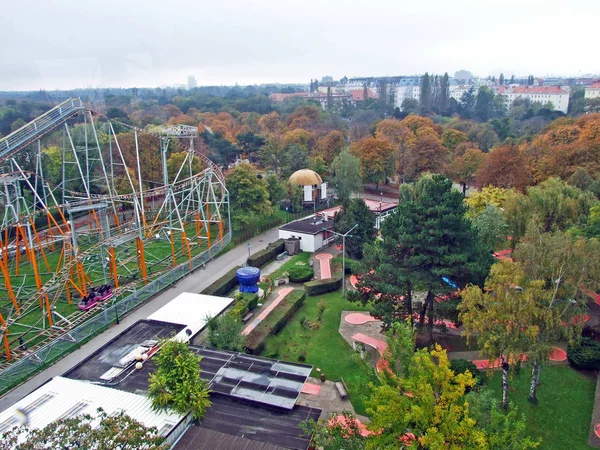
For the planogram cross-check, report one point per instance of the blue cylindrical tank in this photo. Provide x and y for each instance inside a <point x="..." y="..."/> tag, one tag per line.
<point x="248" y="277"/>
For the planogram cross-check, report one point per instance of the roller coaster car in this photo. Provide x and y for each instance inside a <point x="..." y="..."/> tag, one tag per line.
<point x="97" y="294"/>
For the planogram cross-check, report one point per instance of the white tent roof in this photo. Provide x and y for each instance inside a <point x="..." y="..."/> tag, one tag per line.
<point x="192" y="311"/>
<point x="63" y="398"/>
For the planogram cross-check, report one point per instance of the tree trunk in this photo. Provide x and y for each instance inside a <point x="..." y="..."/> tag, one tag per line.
<point x="505" y="368"/>
<point x="423" y="311"/>
<point x="539" y="373"/>
<point x="464" y="190"/>
<point x="533" y="385"/>
<point x="430" y="324"/>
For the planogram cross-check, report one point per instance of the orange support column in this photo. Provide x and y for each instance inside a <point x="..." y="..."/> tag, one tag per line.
<point x="173" y="248"/>
<point x="8" y="284"/>
<point x="39" y="241"/>
<point x="49" y="232"/>
<point x="142" y="258"/>
<point x="5" y="338"/>
<point x="38" y="283"/>
<point x="220" y="229"/>
<point x="113" y="266"/>
<point x="186" y="245"/>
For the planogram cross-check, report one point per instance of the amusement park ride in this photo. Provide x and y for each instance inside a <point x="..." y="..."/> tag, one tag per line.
<point x="81" y="227"/>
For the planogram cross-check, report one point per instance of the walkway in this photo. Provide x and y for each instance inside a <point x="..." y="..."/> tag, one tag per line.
<point x="265" y="312"/>
<point x="324" y="265"/>
<point x="194" y="282"/>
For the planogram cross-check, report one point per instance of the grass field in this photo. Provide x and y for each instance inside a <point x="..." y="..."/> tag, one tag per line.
<point x="324" y="348"/>
<point x="562" y="416"/>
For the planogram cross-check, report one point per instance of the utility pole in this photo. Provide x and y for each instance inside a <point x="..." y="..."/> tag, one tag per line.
<point x="347" y="234"/>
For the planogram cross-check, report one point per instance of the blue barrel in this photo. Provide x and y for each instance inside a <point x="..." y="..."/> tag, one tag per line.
<point x="248" y="277"/>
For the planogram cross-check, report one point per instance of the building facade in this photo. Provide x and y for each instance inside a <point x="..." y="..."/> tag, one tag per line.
<point x="559" y="97"/>
<point x="593" y="90"/>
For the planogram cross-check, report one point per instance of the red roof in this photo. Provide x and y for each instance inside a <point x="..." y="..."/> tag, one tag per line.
<point x="358" y="94"/>
<point x="531" y="90"/>
<point x="596" y="85"/>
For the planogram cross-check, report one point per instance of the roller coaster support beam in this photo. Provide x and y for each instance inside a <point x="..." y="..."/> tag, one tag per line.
<point x="38" y="281"/>
<point x="141" y="258"/>
<point x="5" y="338"/>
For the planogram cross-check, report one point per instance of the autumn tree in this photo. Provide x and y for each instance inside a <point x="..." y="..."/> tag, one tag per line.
<point x="330" y="146"/>
<point x="400" y="136"/>
<point x="491" y="227"/>
<point x="345" y="175"/>
<point x="270" y="124"/>
<point x="101" y="432"/>
<point x="271" y="154"/>
<point x="502" y="318"/>
<point x="149" y="156"/>
<point x="488" y="196"/>
<point x="503" y="167"/>
<point x="463" y="168"/>
<point x="175" y="163"/>
<point x="176" y="382"/>
<point x="452" y="138"/>
<point x="248" y="194"/>
<point x="295" y="157"/>
<point x="375" y="158"/>
<point x="427" y="155"/>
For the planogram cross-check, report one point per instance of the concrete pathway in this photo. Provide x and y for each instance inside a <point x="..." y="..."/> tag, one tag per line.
<point x="266" y="311"/>
<point x="324" y="265"/>
<point x="194" y="282"/>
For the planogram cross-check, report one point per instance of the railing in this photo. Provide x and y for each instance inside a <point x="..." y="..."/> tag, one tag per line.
<point x="38" y="126"/>
<point x="25" y="367"/>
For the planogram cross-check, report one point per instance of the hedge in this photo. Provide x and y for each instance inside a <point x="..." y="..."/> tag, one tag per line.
<point x="462" y="365"/>
<point x="244" y="302"/>
<point x="299" y="274"/>
<point x="585" y="354"/>
<point x="224" y="284"/>
<point x="262" y="257"/>
<point x="351" y="264"/>
<point x="321" y="286"/>
<point x="275" y="321"/>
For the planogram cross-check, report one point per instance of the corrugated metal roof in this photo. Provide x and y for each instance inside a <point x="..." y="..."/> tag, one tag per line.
<point x="63" y="397"/>
<point x="191" y="310"/>
<point x="197" y="438"/>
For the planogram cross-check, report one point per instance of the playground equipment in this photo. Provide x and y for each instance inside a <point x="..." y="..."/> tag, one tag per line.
<point x="89" y="201"/>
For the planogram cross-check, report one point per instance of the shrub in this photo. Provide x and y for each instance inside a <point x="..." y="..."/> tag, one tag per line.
<point x="351" y="264"/>
<point x="262" y="257"/>
<point x="225" y="333"/>
<point x="275" y="321"/>
<point x="317" y="287"/>
<point x="300" y="273"/>
<point x="302" y="356"/>
<point x="224" y="284"/>
<point x="585" y="354"/>
<point x="462" y="365"/>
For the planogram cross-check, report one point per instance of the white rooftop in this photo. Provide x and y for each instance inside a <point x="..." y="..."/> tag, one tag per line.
<point x="191" y="310"/>
<point x="62" y="398"/>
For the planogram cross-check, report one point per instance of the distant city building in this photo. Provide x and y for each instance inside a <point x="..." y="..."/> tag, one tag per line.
<point x="593" y="90"/>
<point x="358" y="95"/>
<point x="559" y="97"/>
<point x="337" y="98"/>
<point x="327" y="80"/>
<point x="191" y="82"/>
<point x="463" y="75"/>
<point x="456" y="92"/>
<point x="402" y="93"/>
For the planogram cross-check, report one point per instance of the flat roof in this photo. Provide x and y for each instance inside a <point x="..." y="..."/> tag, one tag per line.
<point x="274" y="426"/>
<point x="198" y="438"/>
<point x="311" y="225"/>
<point x="115" y="356"/>
<point x="62" y="398"/>
<point x="191" y="311"/>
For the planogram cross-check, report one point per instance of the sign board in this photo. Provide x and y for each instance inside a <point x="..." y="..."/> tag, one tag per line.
<point x="323" y="191"/>
<point x="308" y="190"/>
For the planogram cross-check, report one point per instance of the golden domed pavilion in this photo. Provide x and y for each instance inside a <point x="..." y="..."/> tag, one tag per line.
<point x="305" y="177"/>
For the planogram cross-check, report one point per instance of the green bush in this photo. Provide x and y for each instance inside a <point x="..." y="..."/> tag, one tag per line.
<point x="462" y="365"/>
<point x="250" y="299"/>
<point x="262" y="257"/>
<point x="275" y="321"/>
<point x="224" y="284"/>
<point x="317" y="287"/>
<point x="351" y="264"/>
<point x="300" y="273"/>
<point x="585" y="354"/>
<point x="244" y="302"/>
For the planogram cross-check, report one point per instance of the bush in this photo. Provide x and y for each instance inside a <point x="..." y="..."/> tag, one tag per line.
<point x="585" y="354"/>
<point x="317" y="287"/>
<point x="351" y="264"/>
<point x="275" y="321"/>
<point x="262" y="257"/>
<point x="244" y="302"/>
<point x="462" y="365"/>
<point x="224" y="284"/>
<point x="250" y="299"/>
<point x="300" y="273"/>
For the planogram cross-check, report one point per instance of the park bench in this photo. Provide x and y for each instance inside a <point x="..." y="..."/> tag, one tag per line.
<point x="342" y="389"/>
<point x="247" y="317"/>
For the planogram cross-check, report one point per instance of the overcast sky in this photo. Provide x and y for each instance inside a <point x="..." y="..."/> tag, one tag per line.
<point x="62" y="44"/>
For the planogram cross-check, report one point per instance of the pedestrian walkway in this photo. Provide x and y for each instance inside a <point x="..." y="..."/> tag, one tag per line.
<point x="194" y="282"/>
<point x="324" y="265"/>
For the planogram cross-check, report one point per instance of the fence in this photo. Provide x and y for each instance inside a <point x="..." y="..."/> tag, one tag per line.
<point x="25" y="367"/>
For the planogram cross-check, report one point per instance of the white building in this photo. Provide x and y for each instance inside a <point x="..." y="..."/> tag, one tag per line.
<point x="191" y="82"/>
<point x="593" y="90"/>
<point x="456" y="92"/>
<point x="63" y="398"/>
<point x="559" y="97"/>
<point x="406" y="92"/>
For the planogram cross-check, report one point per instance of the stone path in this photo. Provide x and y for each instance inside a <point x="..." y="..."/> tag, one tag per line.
<point x="265" y="312"/>
<point x="324" y="265"/>
<point x="327" y="399"/>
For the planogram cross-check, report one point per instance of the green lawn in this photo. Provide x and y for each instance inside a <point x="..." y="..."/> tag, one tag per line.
<point x="324" y="348"/>
<point x="299" y="259"/>
<point x="562" y="416"/>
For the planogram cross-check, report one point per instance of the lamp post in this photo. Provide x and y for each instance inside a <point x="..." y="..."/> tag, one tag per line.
<point x="347" y="234"/>
<point x="248" y="254"/>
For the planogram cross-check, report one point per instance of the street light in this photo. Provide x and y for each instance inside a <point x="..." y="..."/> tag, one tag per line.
<point x="347" y="234"/>
<point x="248" y="254"/>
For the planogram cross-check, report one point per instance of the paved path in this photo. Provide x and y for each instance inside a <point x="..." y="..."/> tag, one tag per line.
<point x="262" y="316"/>
<point x="324" y="266"/>
<point x="194" y="282"/>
